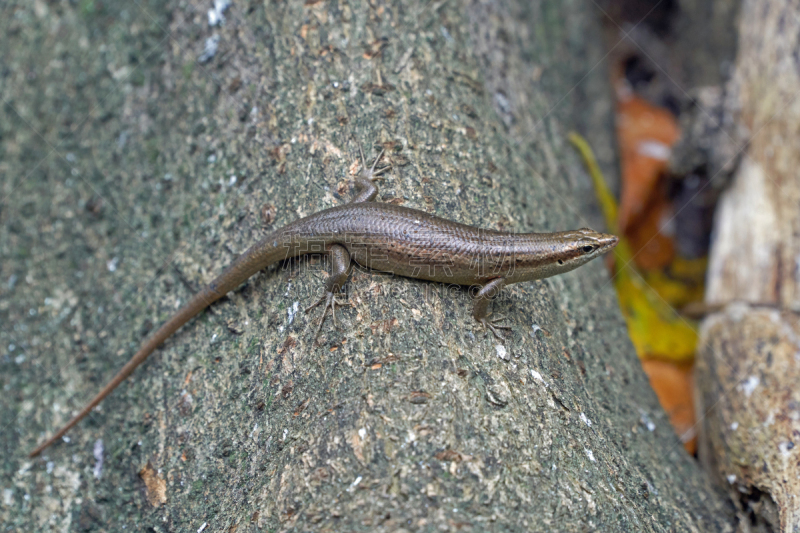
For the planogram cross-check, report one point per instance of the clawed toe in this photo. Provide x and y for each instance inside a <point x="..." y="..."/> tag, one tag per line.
<point x="372" y="174"/>
<point x="495" y="328"/>
<point x="312" y="306"/>
<point x="376" y="174"/>
<point x="330" y="302"/>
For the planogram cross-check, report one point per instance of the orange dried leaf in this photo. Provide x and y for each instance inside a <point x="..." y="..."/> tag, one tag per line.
<point x="652" y="243"/>
<point x="672" y="384"/>
<point x="646" y="134"/>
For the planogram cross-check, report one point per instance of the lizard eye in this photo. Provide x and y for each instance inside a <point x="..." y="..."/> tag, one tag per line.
<point x="587" y="248"/>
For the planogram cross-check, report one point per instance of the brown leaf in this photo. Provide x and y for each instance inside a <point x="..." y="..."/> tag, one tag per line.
<point x="156" y="487"/>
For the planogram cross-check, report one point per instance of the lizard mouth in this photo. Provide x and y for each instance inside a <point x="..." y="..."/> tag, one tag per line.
<point x="608" y="242"/>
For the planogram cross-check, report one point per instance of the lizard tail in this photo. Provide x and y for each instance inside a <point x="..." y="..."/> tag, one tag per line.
<point x="199" y="302"/>
<point x="267" y="252"/>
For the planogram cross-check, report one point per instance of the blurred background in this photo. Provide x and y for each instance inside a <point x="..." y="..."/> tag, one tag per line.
<point x="667" y="62"/>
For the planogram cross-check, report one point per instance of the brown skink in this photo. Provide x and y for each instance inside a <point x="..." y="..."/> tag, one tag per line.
<point x="393" y="239"/>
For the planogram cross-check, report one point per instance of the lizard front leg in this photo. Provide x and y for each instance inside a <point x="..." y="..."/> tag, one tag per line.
<point x="340" y="271"/>
<point x="479" y="309"/>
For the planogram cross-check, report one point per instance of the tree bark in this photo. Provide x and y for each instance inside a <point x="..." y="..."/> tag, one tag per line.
<point x="748" y="366"/>
<point x="137" y="164"/>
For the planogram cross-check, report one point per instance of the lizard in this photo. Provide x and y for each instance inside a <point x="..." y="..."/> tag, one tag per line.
<point x="389" y="238"/>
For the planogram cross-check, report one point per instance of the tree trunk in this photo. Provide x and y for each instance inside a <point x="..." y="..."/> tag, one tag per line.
<point x="164" y="139"/>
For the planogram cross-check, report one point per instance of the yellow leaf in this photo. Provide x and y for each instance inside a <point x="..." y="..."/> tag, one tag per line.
<point x="656" y="329"/>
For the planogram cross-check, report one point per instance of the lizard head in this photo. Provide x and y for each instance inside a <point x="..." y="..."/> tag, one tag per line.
<point x="549" y="254"/>
<point x="578" y="247"/>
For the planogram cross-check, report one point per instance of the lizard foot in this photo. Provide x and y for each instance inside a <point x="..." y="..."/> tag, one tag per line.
<point x="371" y="174"/>
<point x="329" y="301"/>
<point x="494" y="327"/>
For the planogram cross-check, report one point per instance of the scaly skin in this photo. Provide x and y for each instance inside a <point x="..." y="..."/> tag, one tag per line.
<point x="392" y="239"/>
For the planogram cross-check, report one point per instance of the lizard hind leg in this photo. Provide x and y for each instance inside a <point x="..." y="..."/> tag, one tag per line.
<point x="340" y="271"/>
<point x="481" y="306"/>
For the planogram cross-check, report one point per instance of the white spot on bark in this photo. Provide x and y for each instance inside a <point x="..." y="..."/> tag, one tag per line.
<point x="785" y="448"/>
<point x="292" y="311"/>
<point x="645" y="419"/>
<point x="501" y="352"/>
<point x="354" y="484"/>
<point x="209" y="51"/>
<point x="98" y="457"/>
<point x="538" y="377"/>
<point x="216" y="14"/>
<point x="750" y="385"/>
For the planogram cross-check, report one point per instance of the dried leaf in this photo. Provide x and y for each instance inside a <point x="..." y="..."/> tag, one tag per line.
<point x="156" y="486"/>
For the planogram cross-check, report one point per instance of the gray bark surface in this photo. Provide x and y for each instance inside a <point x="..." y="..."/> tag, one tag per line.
<point x="132" y="173"/>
